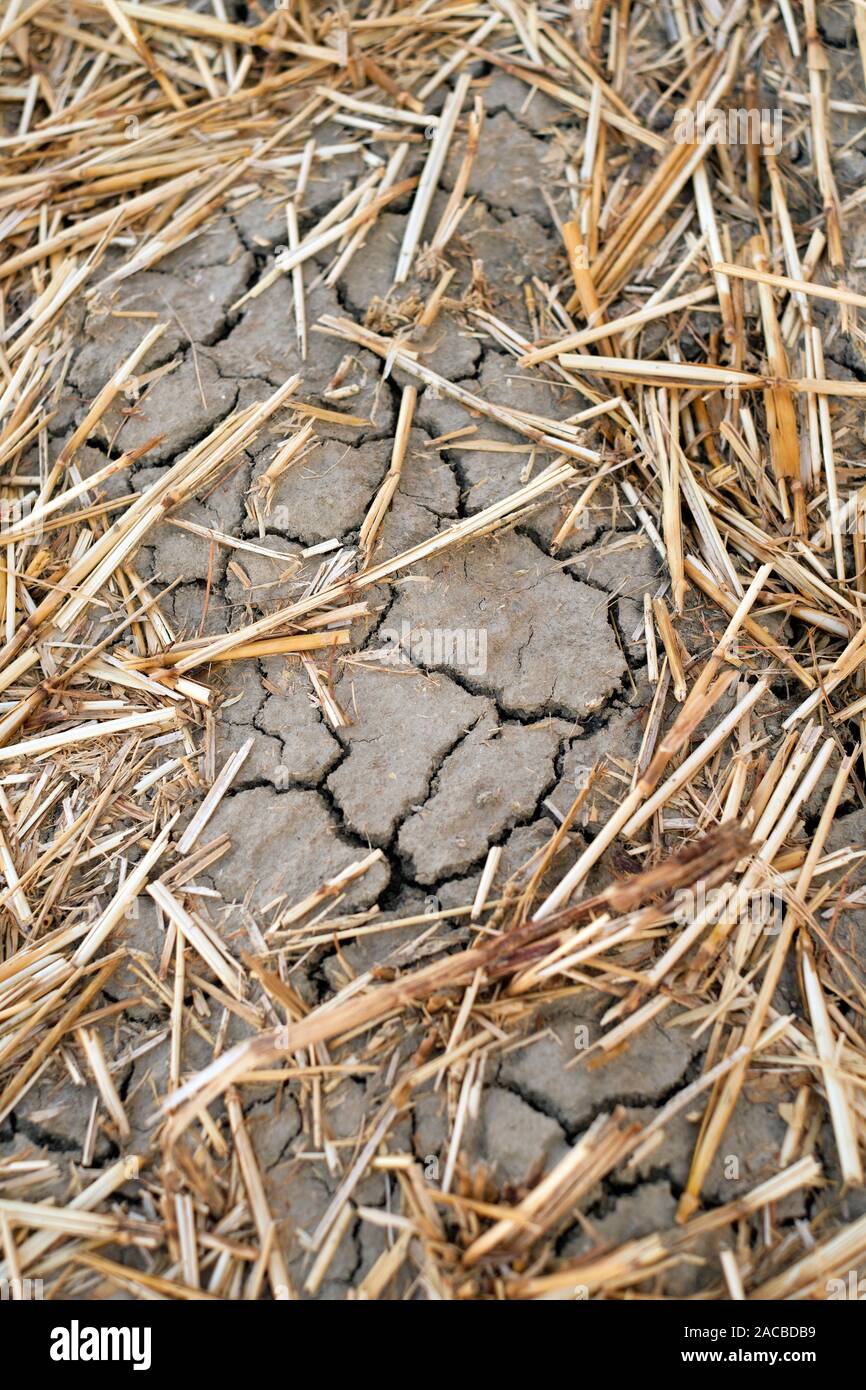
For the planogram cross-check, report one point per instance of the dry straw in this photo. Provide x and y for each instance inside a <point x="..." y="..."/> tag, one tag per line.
<point x="686" y="321"/>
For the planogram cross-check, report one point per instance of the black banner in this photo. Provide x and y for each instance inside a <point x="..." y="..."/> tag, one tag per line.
<point x="639" y="1335"/>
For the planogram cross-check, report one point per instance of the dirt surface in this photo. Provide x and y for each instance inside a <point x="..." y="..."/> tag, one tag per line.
<point x="521" y="667"/>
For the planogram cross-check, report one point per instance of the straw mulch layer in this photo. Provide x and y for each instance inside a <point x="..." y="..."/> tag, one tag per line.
<point x="433" y="672"/>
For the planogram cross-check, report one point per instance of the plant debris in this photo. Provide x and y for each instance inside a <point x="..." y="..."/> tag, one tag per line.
<point x="694" y="374"/>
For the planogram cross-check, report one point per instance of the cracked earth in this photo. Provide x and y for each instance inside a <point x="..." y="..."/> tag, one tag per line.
<point x="441" y="759"/>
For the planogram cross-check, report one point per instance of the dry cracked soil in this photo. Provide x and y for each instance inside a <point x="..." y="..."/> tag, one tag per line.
<point x="453" y="750"/>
